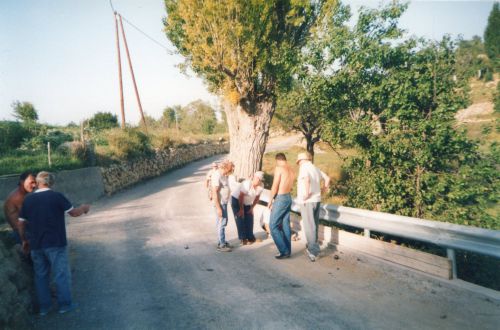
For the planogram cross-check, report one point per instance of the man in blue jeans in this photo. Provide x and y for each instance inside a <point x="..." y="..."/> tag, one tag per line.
<point x="220" y="198"/>
<point x="42" y="223"/>
<point x="280" y="205"/>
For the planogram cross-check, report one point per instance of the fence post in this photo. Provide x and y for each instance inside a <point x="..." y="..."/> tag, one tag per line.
<point x="450" y="253"/>
<point x="48" y="154"/>
<point x="367" y="233"/>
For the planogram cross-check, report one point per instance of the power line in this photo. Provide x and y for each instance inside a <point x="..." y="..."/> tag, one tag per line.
<point x="169" y="52"/>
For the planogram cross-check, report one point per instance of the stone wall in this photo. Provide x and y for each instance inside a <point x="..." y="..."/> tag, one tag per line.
<point x="119" y="176"/>
<point x="15" y="287"/>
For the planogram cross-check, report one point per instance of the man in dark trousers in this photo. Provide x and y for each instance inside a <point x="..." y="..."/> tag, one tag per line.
<point x="42" y="223"/>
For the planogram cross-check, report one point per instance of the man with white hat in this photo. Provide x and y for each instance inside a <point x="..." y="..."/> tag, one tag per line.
<point x="309" y="198"/>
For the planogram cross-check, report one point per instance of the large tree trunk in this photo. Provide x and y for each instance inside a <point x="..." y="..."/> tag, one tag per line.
<point x="248" y="134"/>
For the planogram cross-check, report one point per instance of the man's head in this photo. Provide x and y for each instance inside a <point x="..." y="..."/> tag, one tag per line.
<point x="27" y="181"/>
<point x="214" y="165"/>
<point x="303" y="157"/>
<point x="280" y="157"/>
<point x="45" y="179"/>
<point x="226" y="167"/>
<point x="258" y="177"/>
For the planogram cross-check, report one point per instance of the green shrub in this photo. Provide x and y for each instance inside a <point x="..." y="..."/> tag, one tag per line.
<point x="12" y="134"/>
<point x="103" y="120"/>
<point x="39" y="142"/>
<point x="497" y="99"/>
<point x="129" y="143"/>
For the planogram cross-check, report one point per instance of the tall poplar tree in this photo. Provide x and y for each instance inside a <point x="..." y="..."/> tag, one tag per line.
<point x="245" y="51"/>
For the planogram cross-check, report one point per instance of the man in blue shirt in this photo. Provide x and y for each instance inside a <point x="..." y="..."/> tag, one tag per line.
<point x="42" y="228"/>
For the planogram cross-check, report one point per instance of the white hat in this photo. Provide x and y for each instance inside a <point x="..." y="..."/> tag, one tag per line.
<point x="303" y="156"/>
<point x="260" y="175"/>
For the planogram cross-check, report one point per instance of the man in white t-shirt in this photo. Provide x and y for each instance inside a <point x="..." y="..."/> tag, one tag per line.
<point x="220" y="198"/>
<point x="250" y="191"/>
<point x="309" y="198"/>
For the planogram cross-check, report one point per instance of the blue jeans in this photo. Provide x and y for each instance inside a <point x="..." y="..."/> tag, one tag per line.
<point x="279" y="223"/>
<point x="53" y="260"/>
<point x="235" y="205"/>
<point x="243" y="224"/>
<point x="221" y="224"/>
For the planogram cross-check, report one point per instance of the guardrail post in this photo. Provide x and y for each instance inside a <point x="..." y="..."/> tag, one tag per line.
<point x="450" y="253"/>
<point x="367" y="233"/>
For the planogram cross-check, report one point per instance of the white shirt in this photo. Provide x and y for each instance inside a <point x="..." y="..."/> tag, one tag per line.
<point x="307" y="169"/>
<point x="234" y="186"/>
<point x="250" y="192"/>
<point x="219" y="180"/>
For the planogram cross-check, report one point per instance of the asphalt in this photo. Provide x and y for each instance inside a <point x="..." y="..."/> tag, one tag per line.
<point x="146" y="258"/>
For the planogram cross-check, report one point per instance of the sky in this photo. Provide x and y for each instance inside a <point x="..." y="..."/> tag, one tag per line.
<point x="61" y="55"/>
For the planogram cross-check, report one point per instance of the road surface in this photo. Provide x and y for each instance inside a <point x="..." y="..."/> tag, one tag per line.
<point x="145" y="258"/>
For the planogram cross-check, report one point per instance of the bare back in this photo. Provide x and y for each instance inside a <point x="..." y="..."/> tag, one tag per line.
<point x="284" y="177"/>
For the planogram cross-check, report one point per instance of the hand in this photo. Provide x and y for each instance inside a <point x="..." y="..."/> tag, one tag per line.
<point x="250" y="211"/>
<point x="325" y="189"/>
<point x="240" y="213"/>
<point x="86" y="208"/>
<point x="270" y="205"/>
<point x="25" y="247"/>
<point x="219" y="212"/>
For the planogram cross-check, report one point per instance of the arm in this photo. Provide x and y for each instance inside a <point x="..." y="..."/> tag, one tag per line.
<point x="275" y="187"/>
<point x="326" y="178"/>
<point x="215" y="193"/>
<point x="21" y="228"/>
<point x="307" y="187"/>
<point x="255" y="202"/>
<point x="11" y="214"/>
<point x="82" y="209"/>
<point x="242" y="206"/>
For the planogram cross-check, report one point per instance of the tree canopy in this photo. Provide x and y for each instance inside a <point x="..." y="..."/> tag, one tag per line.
<point x="24" y="111"/>
<point x="492" y="34"/>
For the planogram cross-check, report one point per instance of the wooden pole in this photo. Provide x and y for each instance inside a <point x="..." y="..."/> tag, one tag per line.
<point x="48" y="154"/>
<point x="122" y="106"/>
<point x="132" y="73"/>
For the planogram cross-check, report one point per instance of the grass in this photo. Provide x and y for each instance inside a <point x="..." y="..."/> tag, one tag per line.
<point x="17" y="162"/>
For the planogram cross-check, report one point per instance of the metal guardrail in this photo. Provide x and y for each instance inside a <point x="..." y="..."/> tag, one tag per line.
<point x="447" y="235"/>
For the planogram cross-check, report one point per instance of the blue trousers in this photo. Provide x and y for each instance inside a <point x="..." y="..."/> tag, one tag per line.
<point x="244" y="224"/>
<point x="279" y="223"/>
<point x="53" y="260"/>
<point x="221" y="223"/>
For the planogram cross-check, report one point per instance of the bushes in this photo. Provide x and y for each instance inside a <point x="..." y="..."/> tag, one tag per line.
<point x="39" y="142"/>
<point x="129" y="143"/>
<point x="12" y="135"/>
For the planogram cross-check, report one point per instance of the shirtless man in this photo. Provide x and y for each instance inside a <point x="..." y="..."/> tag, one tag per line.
<point x="280" y="205"/>
<point x="15" y="200"/>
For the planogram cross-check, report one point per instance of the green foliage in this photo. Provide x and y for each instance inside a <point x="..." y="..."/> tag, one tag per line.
<point x="169" y="115"/>
<point x="15" y="162"/>
<point x="197" y="117"/>
<point x="492" y="35"/>
<point x="471" y="58"/>
<point x="129" y="143"/>
<point x="39" y="142"/>
<point x="12" y="135"/>
<point x="103" y="120"/>
<point x="24" y="111"/>
<point x="242" y="48"/>
<point x="412" y="160"/>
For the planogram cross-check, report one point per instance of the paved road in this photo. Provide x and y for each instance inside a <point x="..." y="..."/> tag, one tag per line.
<point x="145" y="258"/>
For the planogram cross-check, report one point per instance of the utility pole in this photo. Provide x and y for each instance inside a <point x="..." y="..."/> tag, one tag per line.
<point x="132" y="73"/>
<point x="122" y="106"/>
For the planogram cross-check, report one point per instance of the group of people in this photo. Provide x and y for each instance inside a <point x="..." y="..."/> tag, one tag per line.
<point x="223" y="188"/>
<point x="36" y="215"/>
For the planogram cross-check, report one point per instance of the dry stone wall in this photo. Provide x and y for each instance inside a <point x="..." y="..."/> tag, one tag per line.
<point x="119" y="176"/>
<point x="15" y="288"/>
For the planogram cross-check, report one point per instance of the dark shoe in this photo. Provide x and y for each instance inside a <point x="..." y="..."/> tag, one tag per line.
<point x="227" y="245"/>
<point x="243" y="242"/>
<point x="282" y="256"/>
<point x="224" y="249"/>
